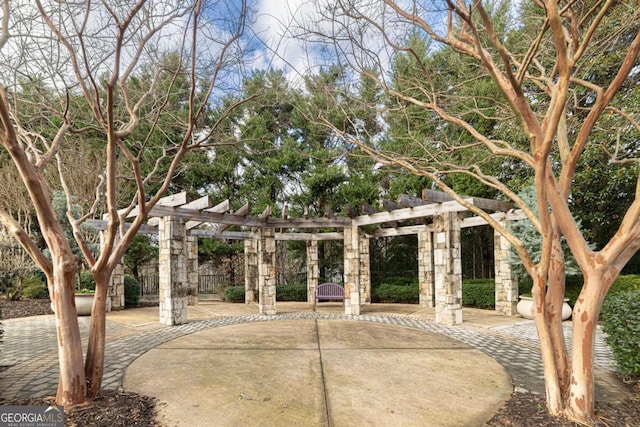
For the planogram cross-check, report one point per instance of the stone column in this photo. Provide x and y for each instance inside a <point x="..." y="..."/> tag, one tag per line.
<point x="193" y="272"/>
<point x="250" y="270"/>
<point x="506" y="281"/>
<point x="351" y="271"/>
<point x="267" y="271"/>
<point x="116" y="289"/>
<point x="425" y="268"/>
<point x="115" y="294"/>
<point x="313" y="270"/>
<point x="172" y="271"/>
<point x="365" y="270"/>
<point x="447" y="269"/>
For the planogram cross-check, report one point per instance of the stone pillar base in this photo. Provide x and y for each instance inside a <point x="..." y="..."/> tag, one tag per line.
<point x="173" y="311"/>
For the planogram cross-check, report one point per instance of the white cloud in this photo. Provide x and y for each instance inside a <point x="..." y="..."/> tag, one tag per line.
<point x="275" y="27"/>
<point x="297" y="35"/>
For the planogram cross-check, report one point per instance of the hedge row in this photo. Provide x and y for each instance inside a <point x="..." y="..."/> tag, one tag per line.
<point x="397" y="294"/>
<point x="479" y="293"/>
<point x="475" y="293"/>
<point x="620" y="317"/>
<point x="294" y="292"/>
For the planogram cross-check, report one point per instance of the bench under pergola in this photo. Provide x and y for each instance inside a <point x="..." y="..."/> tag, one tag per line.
<point x="436" y="219"/>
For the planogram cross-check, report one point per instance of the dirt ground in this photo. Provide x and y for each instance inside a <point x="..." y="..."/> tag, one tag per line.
<point x="116" y="408"/>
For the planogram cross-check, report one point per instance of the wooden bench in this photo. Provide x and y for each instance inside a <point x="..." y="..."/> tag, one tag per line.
<point x="329" y="291"/>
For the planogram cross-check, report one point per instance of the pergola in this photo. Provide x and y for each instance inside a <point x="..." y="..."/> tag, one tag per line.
<point x="436" y="219"/>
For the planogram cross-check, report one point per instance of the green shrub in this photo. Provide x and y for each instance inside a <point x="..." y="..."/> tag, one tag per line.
<point x="628" y="282"/>
<point x="34" y="287"/>
<point x="491" y="282"/>
<point x="131" y="291"/>
<point x="621" y="322"/>
<point x="87" y="281"/>
<point x="479" y="293"/>
<point x="234" y="294"/>
<point x="294" y="292"/>
<point x="400" y="294"/>
<point x="400" y="281"/>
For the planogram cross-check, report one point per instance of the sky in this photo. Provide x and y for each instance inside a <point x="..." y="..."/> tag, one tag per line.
<point x="274" y="30"/>
<point x="274" y="37"/>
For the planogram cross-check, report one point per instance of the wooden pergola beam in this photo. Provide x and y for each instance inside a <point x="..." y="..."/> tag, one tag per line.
<point x="219" y="208"/>
<point x="368" y="209"/>
<point x="266" y="213"/>
<point x="400" y="231"/>
<point x="200" y="211"/>
<point x="407" y="201"/>
<point x="195" y="215"/>
<point x="410" y="213"/>
<point x="177" y="199"/>
<point x="310" y="236"/>
<point x="201" y="203"/>
<point x="476" y="221"/>
<point x="241" y="235"/>
<point x="388" y="205"/>
<point x="243" y="211"/>
<point x="309" y="223"/>
<point x="434" y="196"/>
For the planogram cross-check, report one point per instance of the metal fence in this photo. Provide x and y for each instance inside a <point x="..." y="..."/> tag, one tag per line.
<point x="149" y="285"/>
<point x="207" y="284"/>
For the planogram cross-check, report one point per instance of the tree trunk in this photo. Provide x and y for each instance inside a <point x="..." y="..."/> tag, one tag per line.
<point x="94" y="365"/>
<point x="581" y="397"/>
<point x="554" y="301"/>
<point x="547" y="351"/>
<point x="72" y="388"/>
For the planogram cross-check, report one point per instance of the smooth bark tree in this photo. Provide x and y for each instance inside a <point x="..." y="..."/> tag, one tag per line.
<point x="544" y="59"/>
<point x="88" y="56"/>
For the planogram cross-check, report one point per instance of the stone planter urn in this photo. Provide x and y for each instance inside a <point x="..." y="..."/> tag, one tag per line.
<point x="84" y="302"/>
<point x="526" y="304"/>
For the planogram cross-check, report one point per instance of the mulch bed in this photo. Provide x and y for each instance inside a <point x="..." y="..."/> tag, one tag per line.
<point x="529" y="410"/>
<point x="117" y="408"/>
<point x="24" y="308"/>
<point x="112" y="408"/>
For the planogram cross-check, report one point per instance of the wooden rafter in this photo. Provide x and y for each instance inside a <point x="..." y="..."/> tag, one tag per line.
<point x="433" y="196"/>
<point x="219" y="208"/>
<point x="243" y="212"/>
<point x="177" y="199"/>
<point x="388" y="205"/>
<point x="407" y="201"/>
<point x="367" y="209"/>
<point x="199" y="204"/>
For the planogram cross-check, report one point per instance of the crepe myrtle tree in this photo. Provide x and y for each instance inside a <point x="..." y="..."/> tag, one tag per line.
<point x="89" y="77"/>
<point x="507" y="93"/>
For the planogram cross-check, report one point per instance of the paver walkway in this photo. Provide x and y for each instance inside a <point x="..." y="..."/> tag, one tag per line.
<point x="29" y="350"/>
